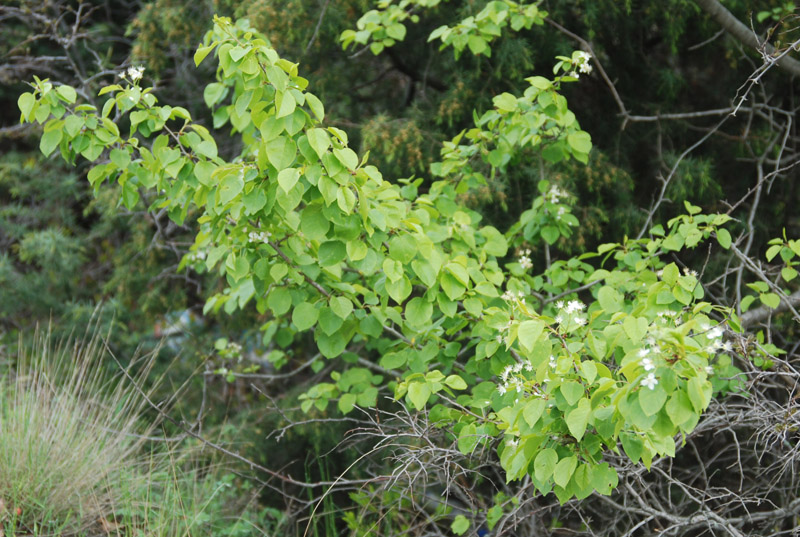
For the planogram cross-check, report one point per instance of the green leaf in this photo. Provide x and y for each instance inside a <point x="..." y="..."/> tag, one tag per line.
<point x="580" y="141"/>
<point x="651" y="401"/>
<point x="544" y="464"/>
<point x="305" y="316"/>
<point x="319" y="141"/>
<point x="315" y="105"/>
<point x="770" y="300"/>
<point x="202" y="52"/>
<point x="451" y="286"/>
<point x="120" y="158"/>
<point x="564" y="470"/>
<point x="313" y="223"/>
<point x="467" y="438"/>
<point x="341" y="306"/>
<point x="281" y="152"/>
<point x="399" y="290"/>
<point x="287" y="178"/>
<point x="213" y="93"/>
<point x="254" y="201"/>
<point x="635" y="327"/>
<point x="578" y="418"/>
<point x="393" y="269"/>
<point x="347" y="157"/>
<point x="396" y="31"/>
<point x="418" y="311"/>
<point x="329" y="321"/>
<point x="418" y="393"/>
<point x="347" y="401"/>
<point x="699" y="393"/>
<point x="460" y="523"/>
<point x="788" y="273"/>
<point x="230" y="187"/>
<point x="26" y="102"/>
<point x="331" y="253"/>
<point x="671" y="274"/>
<point x="50" y="141"/>
<point x="529" y="333"/>
<point x="279" y="300"/>
<point x="724" y="238"/>
<point x="610" y="299"/>
<point x="679" y="408"/>
<point x="633" y="445"/>
<point x="477" y="45"/>
<point x="572" y="391"/>
<point x="533" y="411"/>
<point x="203" y="170"/>
<point x="505" y="102"/>
<point x="284" y="103"/>
<point x="773" y="250"/>
<point x="455" y="382"/>
<point x="68" y="93"/>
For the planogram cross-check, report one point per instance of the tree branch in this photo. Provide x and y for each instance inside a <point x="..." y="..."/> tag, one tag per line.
<point x="744" y="35"/>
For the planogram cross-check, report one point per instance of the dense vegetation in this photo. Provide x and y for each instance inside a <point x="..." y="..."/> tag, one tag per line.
<point x="464" y="267"/>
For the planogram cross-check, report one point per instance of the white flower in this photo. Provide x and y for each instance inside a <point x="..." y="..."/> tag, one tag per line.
<point x="560" y="304"/>
<point x="580" y="321"/>
<point x="715" y="333"/>
<point x="650" y="381"/>
<point x="135" y="73"/>
<point x="726" y="347"/>
<point x="709" y="370"/>
<point x="517" y="367"/>
<point x="583" y="56"/>
<point x="512" y="443"/>
<point x="506" y="372"/>
<point x="525" y="262"/>
<point x="519" y="388"/>
<point x="553" y="362"/>
<point x="559" y="319"/>
<point x="574" y="306"/>
<point x="199" y="255"/>
<point x="259" y="236"/>
<point x="643" y="352"/>
<point x="501" y="390"/>
<point x="647" y="364"/>
<point x="508" y="295"/>
<point x="528" y="365"/>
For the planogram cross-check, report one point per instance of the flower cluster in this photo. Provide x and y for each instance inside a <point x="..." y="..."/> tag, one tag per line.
<point x="511" y="379"/>
<point x="580" y="64"/>
<point x="714" y="337"/>
<point x="668" y="316"/>
<point x="555" y="194"/>
<point x="259" y="236"/>
<point x="569" y="314"/>
<point x="645" y="362"/>
<point x="525" y="259"/>
<point x="134" y="73"/>
<point x="509" y="295"/>
<point x="196" y="256"/>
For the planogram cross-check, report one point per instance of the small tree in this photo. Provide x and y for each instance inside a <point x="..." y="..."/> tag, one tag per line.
<point x="399" y="282"/>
